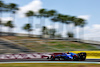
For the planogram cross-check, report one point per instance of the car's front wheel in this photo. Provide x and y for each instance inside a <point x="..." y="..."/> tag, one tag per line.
<point x="75" y="58"/>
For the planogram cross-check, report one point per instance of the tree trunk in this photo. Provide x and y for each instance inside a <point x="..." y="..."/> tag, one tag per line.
<point x="61" y="28"/>
<point x="44" y="25"/>
<point x="28" y="33"/>
<point x="78" y="34"/>
<point x="67" y="30"/>
<point x="41" y="26"/>
<point x="54" y="27"/>
<point x="40" y="22"/>
<point x="9" y="31"/>
<point x="44" y="21"/>
<point x="58" y="29"/>
<point x="81" y="33"/>
<point x="63" y="25"/>
<point x="32" y="24"/>
<point x="0" y="22"/>
<point x="51" y="24"/>
<point x="13" y="16"/>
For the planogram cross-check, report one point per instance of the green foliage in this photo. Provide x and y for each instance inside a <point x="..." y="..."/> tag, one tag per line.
<point x="47" y="31"/>
<point x="52" y="13"/>
<point x="55" y="17"/>
<point x="11" y="7"/>
<point x="44" y="30"/>
<point x="27" y="27"/>
<point x="9" y="24"/>
<point x="43" y="13"/>
<point x="69" y="19"/>
<point x="1" y="4"/>
<point x="29" y="14"/>
<point x="79" y="22"/>
<point x="70" y="34"/>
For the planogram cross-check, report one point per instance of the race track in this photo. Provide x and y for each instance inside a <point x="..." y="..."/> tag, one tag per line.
<point x="46" y="60"/>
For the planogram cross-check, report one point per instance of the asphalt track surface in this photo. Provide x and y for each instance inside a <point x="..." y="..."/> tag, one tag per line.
<point x="46" y="60"/>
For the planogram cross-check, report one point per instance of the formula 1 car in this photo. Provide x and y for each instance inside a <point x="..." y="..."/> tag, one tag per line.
<point x="69" y="56"/>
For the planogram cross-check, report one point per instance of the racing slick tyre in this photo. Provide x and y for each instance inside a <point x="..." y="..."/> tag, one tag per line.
<point x="52" y="58"/>
<point x="82" y="55"/>
<point x="61" y="58"/>
<point x="75" y="58"/>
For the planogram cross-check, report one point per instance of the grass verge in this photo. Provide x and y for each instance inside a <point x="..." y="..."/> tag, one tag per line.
<point x="49" y="65"/>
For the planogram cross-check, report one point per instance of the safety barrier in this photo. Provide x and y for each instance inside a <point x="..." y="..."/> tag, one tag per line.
<point x="90" y="54"/>
<point x="26" y="56"/>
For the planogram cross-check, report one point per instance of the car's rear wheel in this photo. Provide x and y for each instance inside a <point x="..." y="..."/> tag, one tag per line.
<point x="82" y="56"/>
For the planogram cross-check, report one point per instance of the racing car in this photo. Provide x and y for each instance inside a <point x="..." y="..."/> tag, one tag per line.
<point x="69" y="56"/>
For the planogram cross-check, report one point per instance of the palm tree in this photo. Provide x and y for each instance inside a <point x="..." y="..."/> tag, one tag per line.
<point x="27" y="27"/>
<point x="52" y="14"/>
<point x="42" y="15"/>
<point x="52" y="32"/>
<point x="44" y="30"/>
<point x="82" y="26"/>
<point x="80" y="22"/>
<point x="10" y="25"/>
<point x="59" y="18"/>
<point x="62" y="19"/>
<point x="1" y="10"/>
<point x="12" y="8"/>
<point x="72" y="21"/>
<point x="54" y="19"/>
<point x="30" y="15"/>
<point x="67" y="22"/>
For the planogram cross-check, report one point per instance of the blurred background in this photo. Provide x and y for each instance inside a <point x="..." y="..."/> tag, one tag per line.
<point x="49" y="26"/>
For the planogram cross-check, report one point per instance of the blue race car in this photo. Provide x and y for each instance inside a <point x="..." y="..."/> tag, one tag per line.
<point x="69" y="56"/>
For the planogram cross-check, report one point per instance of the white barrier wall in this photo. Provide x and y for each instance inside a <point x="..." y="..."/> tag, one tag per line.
<point x="25" y="56"/>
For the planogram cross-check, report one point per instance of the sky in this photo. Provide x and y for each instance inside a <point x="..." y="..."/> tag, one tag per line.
<point x="86" y="9"/>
